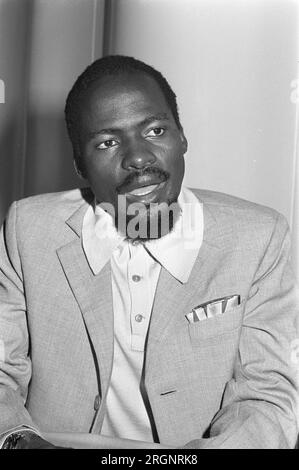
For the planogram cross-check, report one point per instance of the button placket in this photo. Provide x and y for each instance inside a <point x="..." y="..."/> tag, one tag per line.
<point x="138" y="279"/>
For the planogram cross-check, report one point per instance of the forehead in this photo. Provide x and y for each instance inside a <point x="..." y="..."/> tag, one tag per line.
<point x="112" y="97"/>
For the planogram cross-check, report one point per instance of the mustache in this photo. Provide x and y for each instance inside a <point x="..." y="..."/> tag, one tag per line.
<point x="162" y="175"/>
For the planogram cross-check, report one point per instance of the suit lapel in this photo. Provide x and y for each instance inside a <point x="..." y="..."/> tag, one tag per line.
<point x="93" y="295"/>
<point x="174" y="299"/>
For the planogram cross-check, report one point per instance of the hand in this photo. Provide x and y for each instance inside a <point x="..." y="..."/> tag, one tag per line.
<point x="30" y="440"/>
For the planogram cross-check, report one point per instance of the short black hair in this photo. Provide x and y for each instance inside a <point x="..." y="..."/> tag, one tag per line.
<point x="112" y="65"/>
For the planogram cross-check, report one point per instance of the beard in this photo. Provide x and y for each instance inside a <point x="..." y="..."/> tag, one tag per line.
<point x="148" y="222"/>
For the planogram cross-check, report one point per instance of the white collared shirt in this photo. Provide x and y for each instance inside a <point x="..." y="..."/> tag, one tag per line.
<point x="135" y="269"/>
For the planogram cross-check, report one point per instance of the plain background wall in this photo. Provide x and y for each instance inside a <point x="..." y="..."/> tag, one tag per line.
<point x="14" y="22"/>
<point x="44" y="45"/>
<point x="66" y="35"/>
<point x="231" y="63"/>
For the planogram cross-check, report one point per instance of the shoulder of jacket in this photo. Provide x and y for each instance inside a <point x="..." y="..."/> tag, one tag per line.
<point x="53" y="204"/>
<point x="222" y="204"/>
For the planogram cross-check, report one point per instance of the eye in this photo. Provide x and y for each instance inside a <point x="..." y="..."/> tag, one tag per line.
<point x="156" y="132"/>
<point x="107" y="144"/>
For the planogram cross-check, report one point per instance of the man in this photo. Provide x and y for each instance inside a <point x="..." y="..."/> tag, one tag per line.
<point x="138" y="309"/>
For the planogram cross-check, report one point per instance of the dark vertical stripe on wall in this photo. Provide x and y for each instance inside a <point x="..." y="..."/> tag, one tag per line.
<point x="15" y="25"/>
<point x="109" y="27"/>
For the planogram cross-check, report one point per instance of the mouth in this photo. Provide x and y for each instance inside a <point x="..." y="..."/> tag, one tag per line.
<point x="147" y="193"/>
<point x="144" y="190"/>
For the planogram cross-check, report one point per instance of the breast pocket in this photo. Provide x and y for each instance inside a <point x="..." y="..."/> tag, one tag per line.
<point x="209" y="331"/>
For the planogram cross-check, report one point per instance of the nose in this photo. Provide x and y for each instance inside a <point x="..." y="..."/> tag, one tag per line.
<point x="137" y="156"/>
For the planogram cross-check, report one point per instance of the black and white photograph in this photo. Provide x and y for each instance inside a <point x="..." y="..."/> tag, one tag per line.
<point x="149" y="214"/>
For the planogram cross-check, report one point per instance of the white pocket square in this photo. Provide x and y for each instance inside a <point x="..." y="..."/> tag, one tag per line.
<point x="212" y="308"/>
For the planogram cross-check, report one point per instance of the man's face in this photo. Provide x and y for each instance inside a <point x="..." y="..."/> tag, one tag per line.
<point x="129" y="142"/>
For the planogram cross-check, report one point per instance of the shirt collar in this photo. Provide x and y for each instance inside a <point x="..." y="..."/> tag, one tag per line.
<point x="176" y="251"/>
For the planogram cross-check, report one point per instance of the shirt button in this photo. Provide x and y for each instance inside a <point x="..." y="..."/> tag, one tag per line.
<point x="97" y="402"/>
<point x="138" y="318"/>
<point x="136" y="278"/>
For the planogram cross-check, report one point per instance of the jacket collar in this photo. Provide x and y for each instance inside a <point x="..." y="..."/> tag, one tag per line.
<point x="176" y="252"/>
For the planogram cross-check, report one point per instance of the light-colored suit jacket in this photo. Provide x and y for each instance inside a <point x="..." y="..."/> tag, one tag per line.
<point x="232" y="379"/>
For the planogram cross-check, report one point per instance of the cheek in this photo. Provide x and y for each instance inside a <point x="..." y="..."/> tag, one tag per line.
<point x="97" y="168"/>
<point x="176" y="170"/>
<point x="98" y="177"/>
<point x="103" y="179"/>
<point x="176" y="164"/>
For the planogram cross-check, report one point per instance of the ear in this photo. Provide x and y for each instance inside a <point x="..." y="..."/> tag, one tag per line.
<point x="79" y="173"/>
<point x="184" y="141"/>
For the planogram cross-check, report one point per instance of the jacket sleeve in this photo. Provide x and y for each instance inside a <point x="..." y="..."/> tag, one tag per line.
<point x="260" y="402"/>
<point x="15" y="364"/>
